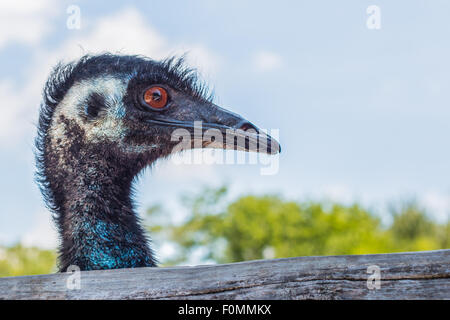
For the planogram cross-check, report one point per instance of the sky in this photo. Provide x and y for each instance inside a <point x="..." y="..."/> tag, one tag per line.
<point x="362" y="113"/>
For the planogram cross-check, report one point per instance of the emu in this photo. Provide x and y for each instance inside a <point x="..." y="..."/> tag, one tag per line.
<point x="102" y="120"/>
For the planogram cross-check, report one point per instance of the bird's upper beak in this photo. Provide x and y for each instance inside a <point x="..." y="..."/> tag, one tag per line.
<point x="239" y="133"/>
<point x="214" y="127"/>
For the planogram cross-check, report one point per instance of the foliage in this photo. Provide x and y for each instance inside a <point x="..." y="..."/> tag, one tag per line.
<point x="256" y="227"/>
<point x="412" y="230"/>
<point x="18" y="260"/>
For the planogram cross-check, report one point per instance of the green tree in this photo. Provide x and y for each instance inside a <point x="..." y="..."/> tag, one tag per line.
<point x="255" y="227"/>
<point x="18" y="260"/>
<point x="413" y="230"/>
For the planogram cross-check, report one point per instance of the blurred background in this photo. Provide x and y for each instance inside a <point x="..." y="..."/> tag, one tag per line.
<point x="360" y="98"/>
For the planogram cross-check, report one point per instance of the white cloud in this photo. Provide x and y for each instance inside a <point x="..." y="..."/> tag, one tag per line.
<point x="4" y="239"/>
<point x="26" y="21"/>
<point x="200" y="57"/>
<point x="438" y="205"/>
<point x="334" y="192"/>
<point x="126" y="32"/>
<point x="12" y="109"/>
<point x="338" y="193"/>
<point x="42" y="234"/>
<point x="183" y="167"/>
<point x="267" y="61"/>
<point x="166" y="251"/>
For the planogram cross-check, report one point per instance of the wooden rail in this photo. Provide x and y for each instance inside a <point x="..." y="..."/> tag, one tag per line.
<point x="414" y="275"/>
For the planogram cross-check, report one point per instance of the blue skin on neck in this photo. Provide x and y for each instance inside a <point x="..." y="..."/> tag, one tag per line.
<point x="101" y="250"/>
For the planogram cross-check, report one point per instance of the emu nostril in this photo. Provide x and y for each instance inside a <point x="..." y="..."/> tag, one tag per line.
<point x="245" y="125"/>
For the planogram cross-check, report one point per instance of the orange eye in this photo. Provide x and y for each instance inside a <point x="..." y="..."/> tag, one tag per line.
<point x="156" y="97"/>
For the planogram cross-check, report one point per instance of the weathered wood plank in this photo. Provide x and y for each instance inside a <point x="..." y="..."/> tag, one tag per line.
<point x="414" y="275"/>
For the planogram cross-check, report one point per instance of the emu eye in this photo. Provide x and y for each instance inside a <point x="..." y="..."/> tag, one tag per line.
<point x="156" y="97"/>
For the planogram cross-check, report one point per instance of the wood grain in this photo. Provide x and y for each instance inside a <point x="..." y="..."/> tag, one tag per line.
<point x="413" y="275"/>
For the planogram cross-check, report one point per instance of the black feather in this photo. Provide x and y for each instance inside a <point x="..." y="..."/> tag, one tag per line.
<point x="171" y="71"/>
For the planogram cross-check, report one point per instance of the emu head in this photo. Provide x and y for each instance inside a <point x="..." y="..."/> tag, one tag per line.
<point x="127" y="111"/>
<point x="104" y="118"/>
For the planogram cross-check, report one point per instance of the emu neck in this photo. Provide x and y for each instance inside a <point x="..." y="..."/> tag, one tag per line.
<point x="95" y="217"/>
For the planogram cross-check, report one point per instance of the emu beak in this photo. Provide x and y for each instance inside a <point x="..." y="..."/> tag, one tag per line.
<point x="239" y="133"/>
<point x="242" y="135"/>
<point x="221" y="129"/>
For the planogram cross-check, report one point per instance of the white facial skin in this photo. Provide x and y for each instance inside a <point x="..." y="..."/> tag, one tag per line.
<point x="108" y="126"/>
